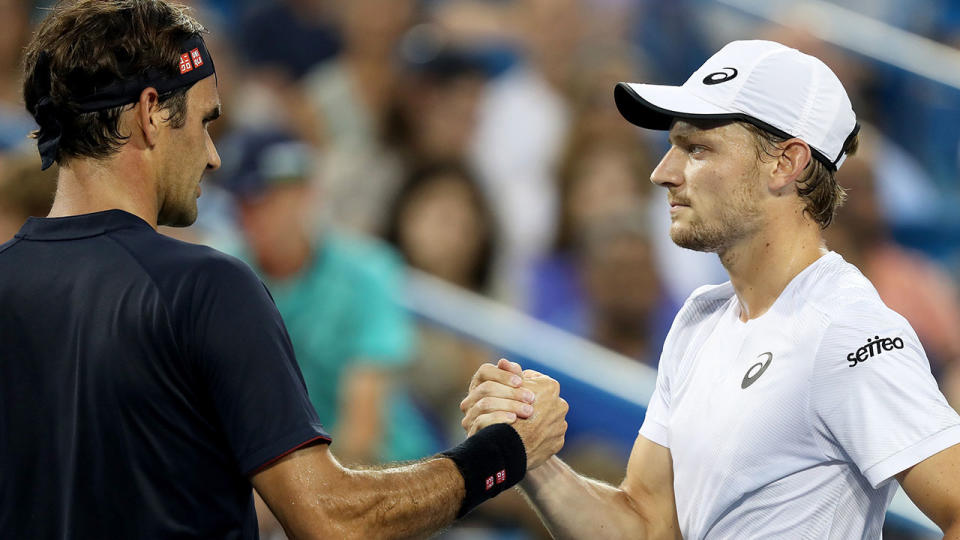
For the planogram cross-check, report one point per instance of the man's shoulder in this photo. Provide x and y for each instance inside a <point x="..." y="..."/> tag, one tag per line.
<point x="854" y="316"/>
<point x="161" y="252"/>
<point x="843" y="295"/>
<point x="177" y="266"/>
<point x="7" y="245"/>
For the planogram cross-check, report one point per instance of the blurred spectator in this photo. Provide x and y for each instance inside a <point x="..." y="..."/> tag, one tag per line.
<point x="15" y="123"/>
<point x="596" y="182"/>
<point x="290" y="36"/>
<point x="671" y="34"/>
<point x="337" y="296"/>
<point x="908" y="282"/>
<point x="598" y="123"/>
<point x="524" y="119"/>
<point x="441" y="223"/>
<point x="595" y="117"/>
<point x="352" y="97"/>
<point x="25" y="191"/>
<point x="623" y="292"/>
<point x="436" y="114"/>
<point x="602" y="237"/>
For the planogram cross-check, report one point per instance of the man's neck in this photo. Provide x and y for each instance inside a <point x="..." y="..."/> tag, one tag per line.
<point x="86" y="186"/>
<point x="762" y="266"/>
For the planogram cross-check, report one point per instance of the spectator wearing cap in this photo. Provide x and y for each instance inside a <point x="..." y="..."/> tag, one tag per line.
<point x="442" y="82"/>
<point x="337" y="295"/>
<point x="350" y="98"/>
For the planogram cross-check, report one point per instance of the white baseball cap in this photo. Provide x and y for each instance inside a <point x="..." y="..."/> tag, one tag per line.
<point x="776" y="88"/>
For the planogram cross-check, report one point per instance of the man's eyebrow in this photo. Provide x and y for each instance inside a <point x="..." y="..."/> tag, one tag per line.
<point x="213" y="114"/>
<point x="678" y="137"/>
<point x="681" y="133"/>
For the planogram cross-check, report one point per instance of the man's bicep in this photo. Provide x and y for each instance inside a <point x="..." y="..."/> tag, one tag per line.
<point x="649" y="483"/>
<point x="294" y="485"/>
<point x="247" y="370"/>
<point x="934" y="486"/>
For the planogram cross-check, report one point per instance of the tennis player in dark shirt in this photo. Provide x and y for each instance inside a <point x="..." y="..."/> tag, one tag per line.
<point x="146" y="384"/>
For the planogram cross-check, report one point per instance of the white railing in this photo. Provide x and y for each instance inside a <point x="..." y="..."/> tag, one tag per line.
<point x="507" y="329"/>
<point x="861" y="34"/>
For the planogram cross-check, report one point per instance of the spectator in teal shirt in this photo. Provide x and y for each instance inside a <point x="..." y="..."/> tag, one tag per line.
<point x="337" y="294"/>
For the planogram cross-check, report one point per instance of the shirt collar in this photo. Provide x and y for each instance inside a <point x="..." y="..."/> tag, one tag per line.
<point x="80" y="226"/>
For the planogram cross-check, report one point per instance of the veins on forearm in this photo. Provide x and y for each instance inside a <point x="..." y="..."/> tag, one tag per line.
<point x="400" y="500"/>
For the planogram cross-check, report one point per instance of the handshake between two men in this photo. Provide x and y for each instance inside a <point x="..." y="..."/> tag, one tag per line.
<point x="526" y="399"/>
<point x="568" y="504"/>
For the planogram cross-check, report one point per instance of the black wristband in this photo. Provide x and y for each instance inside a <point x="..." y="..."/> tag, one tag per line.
<point x="491" y="461"/>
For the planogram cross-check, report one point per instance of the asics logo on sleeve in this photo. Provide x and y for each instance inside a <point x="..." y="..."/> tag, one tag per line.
<point x="874" y="346"/>
<point x="756" y="370"/>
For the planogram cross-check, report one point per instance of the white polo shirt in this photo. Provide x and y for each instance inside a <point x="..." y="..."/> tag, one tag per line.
<point x="792" y="425"/>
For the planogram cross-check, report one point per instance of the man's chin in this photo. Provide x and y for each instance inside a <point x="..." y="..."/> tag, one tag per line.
<point x="688" y="239"/>
<point x="182" y="217"/>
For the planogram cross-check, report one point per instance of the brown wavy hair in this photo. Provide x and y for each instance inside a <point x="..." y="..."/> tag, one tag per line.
<point x="817" y="186"/>
<point x="88" y="44"/>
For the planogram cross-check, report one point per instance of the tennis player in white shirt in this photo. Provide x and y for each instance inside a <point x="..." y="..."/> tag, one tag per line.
<point x="789" y="400"/>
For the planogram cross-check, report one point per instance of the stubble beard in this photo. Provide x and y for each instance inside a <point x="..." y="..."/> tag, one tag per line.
<point x="739" y="217"/>
<point x="181" y="212"/>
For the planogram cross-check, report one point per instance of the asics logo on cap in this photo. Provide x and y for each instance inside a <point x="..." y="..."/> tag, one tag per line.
<point x="720" y="76"/>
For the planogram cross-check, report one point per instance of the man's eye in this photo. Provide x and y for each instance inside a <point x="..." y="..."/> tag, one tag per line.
<point x="696" y="149"/>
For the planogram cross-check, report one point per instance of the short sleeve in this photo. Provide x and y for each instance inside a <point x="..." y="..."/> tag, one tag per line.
<point x="655" y="421"/>
<point x="247" y="364"/>
<point x="873" y="398"/>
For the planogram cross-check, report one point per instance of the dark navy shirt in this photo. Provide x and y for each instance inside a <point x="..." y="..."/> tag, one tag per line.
<point x="143" y="380"/>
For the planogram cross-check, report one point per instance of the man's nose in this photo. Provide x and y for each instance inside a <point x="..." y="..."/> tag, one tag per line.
<point x="669" y="171"/>
<point x="213" y="157"/>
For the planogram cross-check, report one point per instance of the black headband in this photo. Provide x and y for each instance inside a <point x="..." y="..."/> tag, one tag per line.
<point x="193" y="65"/>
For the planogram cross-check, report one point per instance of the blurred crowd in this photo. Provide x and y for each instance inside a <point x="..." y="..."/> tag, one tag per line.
<point x="478" y="141"/>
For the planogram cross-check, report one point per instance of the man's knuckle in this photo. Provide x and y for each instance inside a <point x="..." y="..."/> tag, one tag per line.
<point x="486" y="388"/>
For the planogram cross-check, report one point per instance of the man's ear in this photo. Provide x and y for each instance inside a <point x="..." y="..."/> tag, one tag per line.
<point x="793" y="160"/>
<point x="149" y="116"/>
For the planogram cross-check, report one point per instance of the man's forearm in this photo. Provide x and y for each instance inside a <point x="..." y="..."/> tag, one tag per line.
<point x="313" y="496"/>
<point x="403" y="501"/>
<point x="573" y="506"/>
<point x="400" y="501"/>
